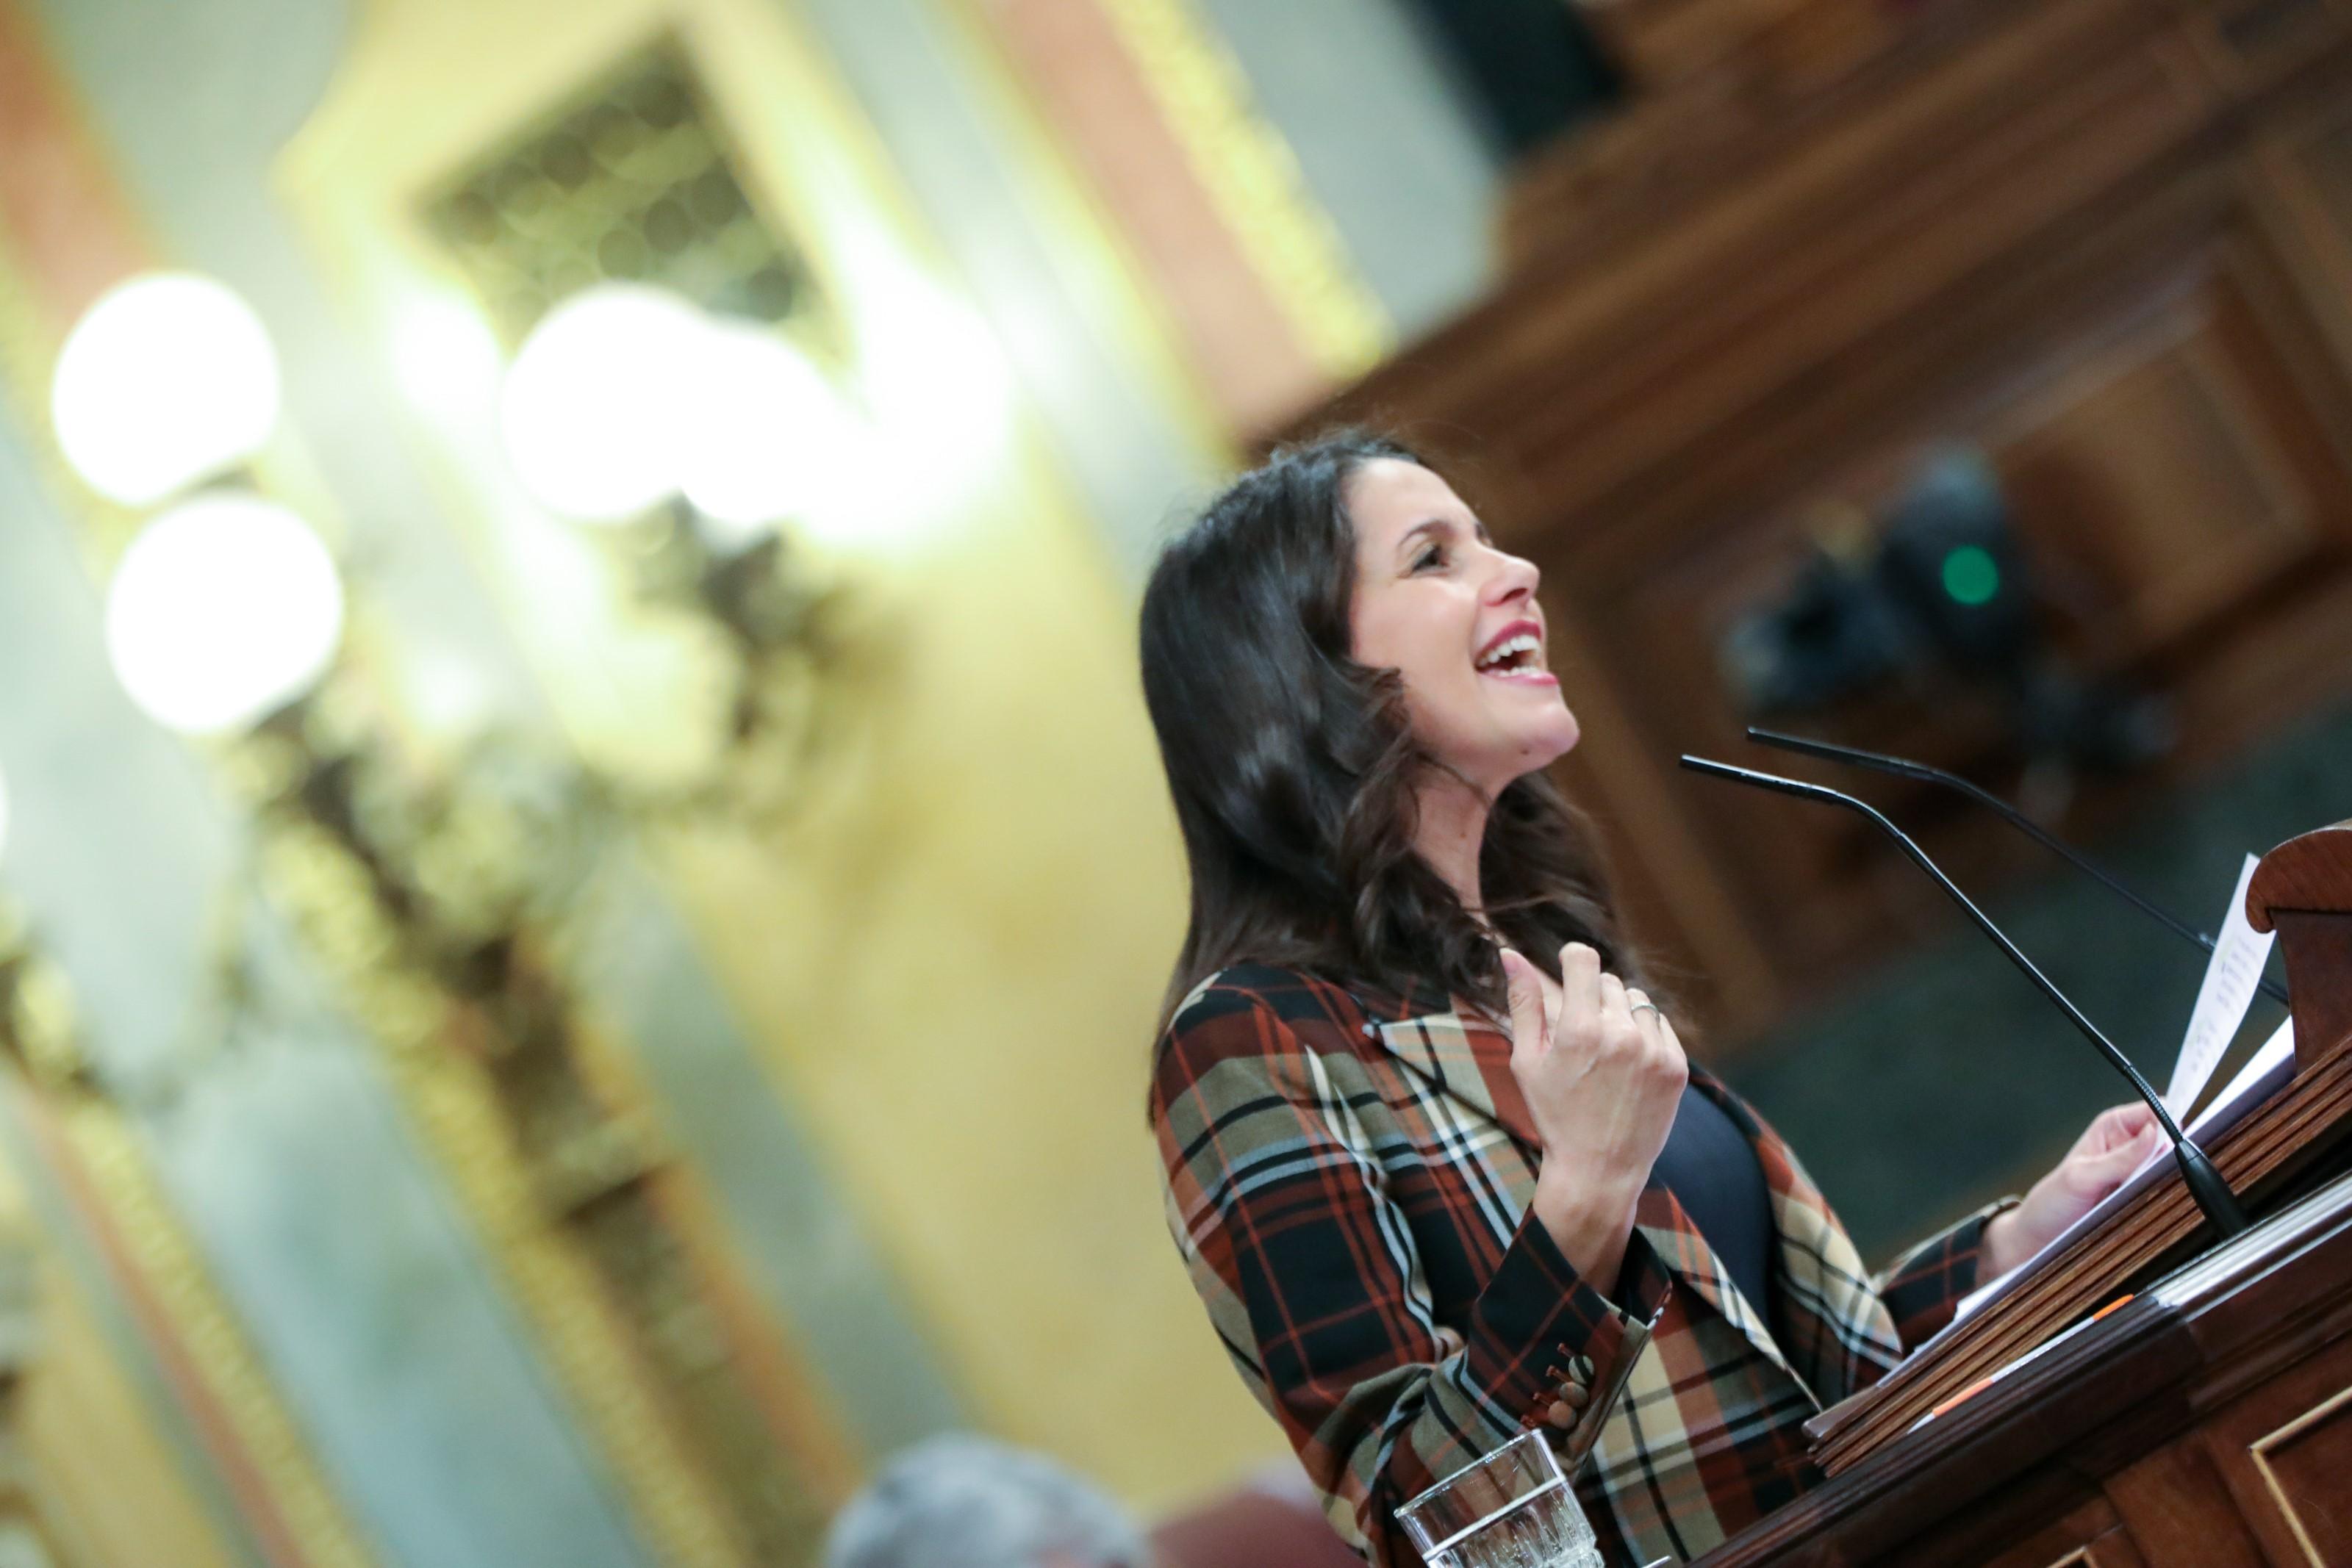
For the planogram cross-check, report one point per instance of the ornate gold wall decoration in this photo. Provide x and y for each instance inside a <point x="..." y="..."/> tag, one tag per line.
<point x="631" y="180"/>
<point x="1254" y="177"/>
<point x="433" y="900"/>
<point x="293" y="1510"/>
<point x="440" y="1048"/>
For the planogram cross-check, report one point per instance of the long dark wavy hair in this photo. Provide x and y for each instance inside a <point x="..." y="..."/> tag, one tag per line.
<point x="1294" y="772"/>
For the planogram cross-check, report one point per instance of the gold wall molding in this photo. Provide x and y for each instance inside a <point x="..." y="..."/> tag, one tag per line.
<point x="603" y="1314"/>
<point x="98" y="1156"/>
<point x="449" y="1100"/>
<point x="298" y="1508"/>
<point x="1252" y="177"/>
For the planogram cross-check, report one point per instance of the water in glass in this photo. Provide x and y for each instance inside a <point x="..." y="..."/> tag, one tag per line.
<point x="1511" y="1510"/>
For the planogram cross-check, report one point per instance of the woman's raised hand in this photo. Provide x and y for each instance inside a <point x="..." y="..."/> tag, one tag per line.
<point x="1603" y="1074"/>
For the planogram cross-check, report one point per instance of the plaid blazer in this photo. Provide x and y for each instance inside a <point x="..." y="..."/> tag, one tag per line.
<point x="1348" y="1175"/>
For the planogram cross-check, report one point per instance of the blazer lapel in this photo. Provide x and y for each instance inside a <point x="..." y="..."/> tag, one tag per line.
<point x="1676" y="1238"/>
<point x="1467" y="1058"/>
<point x="1840" y="1335"/>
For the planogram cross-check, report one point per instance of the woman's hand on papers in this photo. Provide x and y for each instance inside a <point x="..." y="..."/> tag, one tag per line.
<point x="2101" y="1159"/>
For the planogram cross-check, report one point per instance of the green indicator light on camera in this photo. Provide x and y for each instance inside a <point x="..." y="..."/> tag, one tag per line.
<point x="1971" y="575"/>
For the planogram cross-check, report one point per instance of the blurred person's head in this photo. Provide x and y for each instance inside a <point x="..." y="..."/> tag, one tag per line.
<point x="1334" y="641"/>
<point x="964" y="1502"/>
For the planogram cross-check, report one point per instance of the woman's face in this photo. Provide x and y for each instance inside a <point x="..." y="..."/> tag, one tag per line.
<point x="1457" y="618"/>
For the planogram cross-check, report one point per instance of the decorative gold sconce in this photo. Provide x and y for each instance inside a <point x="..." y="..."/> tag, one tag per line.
<point x="440" y="891"/>
<point x="439" y="896"/>
<point x="672" y="390"/>
<point x="33" y="1041"/>
<point x="36" y="1016"/>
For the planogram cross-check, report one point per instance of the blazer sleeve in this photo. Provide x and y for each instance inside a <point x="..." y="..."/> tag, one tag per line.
<point x="1923" y="1286"/>
<point x="1279" y="1204"/>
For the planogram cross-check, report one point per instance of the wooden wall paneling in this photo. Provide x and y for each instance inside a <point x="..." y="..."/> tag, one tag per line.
<point x="1958" y="352"/>
<point x="2284" y="1452"/>
<point x="2304" y="1465"/>
<point x="2326" y="161"/>
<point x="1660" y="602"/>
<point x="1590" y="293"/>
<point x="2090" y="1537"/>
<point x="1625" y="564"/>
<point x="2115" y="1549"/>
<point x="1606" y="418"/>
<point x="2278" y="408"/>
<point x="2174" y="471"/>
<point x="1661" y="628"/>
<point x="2252" y="43"/>
<point x="2304" y="175"/>
<point x="1661" y="41"/>
<point x="2179" y="1512"/>
<point x="1741" y="151"/>
<point x="2186" y="472"/>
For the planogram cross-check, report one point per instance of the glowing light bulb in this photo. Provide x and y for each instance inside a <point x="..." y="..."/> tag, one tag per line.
<point x="444" y="355"/>
<point x="167" y="379"/>
<point x="938" y="384"/>
<point x="221" y="610"/>
<point x="766" y="438"/>
<point x="593" y="410"/>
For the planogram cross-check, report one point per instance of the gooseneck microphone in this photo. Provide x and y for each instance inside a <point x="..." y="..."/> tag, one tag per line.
<point x="1904" y="767"/>
<point x="2205" y="1183"/>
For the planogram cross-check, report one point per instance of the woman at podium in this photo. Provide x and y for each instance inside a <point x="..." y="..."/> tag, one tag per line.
<point x="1433" y="1155"/>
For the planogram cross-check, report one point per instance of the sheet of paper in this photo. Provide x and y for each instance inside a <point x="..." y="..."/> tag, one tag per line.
<point x="2263" y="1075"/>
<point x="2231" y="975"/>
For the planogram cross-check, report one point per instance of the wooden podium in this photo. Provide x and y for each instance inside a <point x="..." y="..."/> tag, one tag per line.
<point x="2205" y="1424"/>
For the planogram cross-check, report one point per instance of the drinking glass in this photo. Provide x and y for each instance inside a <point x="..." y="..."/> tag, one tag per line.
<point x="1511" y="1510"/>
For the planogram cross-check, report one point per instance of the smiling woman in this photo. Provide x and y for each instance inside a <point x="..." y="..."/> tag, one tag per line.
<point x="1297" y="768"/>
<point x="1434" y="1156"/>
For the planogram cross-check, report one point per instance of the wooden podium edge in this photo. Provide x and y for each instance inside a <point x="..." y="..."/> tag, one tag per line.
<point x="2302" y="890"/>
<point x="2265" y="1151"/>
<point x="2151" y="1370"/>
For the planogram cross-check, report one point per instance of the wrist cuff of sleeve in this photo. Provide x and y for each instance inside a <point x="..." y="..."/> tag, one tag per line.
<point x="1549" y="1331"/>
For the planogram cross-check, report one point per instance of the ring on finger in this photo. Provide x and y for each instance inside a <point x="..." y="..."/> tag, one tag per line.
<point x="1645" y="1005"/>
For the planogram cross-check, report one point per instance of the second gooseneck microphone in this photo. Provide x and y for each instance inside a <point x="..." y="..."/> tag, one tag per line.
<point x="2205" y="1183"/>
<point x="1904" y="767"/>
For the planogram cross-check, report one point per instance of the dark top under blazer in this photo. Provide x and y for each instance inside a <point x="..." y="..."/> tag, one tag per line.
<point x="1709" y="1166"/>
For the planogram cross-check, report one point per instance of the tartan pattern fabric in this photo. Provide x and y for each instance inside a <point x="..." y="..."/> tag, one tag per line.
<point x="1347" y="1174"/>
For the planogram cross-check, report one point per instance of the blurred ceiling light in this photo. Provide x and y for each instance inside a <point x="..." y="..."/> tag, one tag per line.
<point x="444" y="354"/>
<point x="592" y="408"/>
<point x="167" y="379"/>
<point x="941" y="390"/>
<point x="223" y="610"/>
<point x="765" y="438"/>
